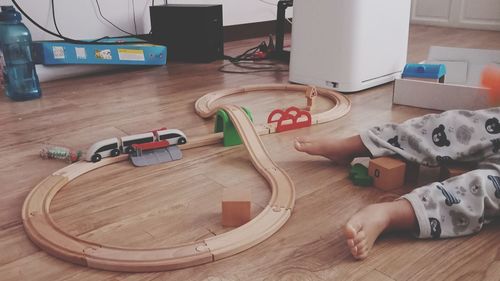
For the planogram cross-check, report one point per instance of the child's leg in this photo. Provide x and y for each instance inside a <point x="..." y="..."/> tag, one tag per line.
<point x="452" y="208"/>
<point x="436" y="139"/>
<point x="458" y="206"/>
<point x="340" y="151"/>
<point x="455" y="135"/>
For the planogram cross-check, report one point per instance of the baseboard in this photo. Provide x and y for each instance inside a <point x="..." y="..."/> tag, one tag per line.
<point x="56" y="72"/>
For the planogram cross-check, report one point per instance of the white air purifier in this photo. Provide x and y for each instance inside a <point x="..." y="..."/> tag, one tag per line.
<point x="348" y="45"/>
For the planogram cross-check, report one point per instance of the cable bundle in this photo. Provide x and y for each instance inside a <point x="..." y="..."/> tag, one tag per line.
<point x="254" y="60"/>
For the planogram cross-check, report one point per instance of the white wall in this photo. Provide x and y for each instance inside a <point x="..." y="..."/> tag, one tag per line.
<point x="477" y="14"/>
<point x="80" y="19"/>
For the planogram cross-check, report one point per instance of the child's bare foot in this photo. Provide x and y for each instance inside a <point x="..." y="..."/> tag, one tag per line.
<point x="340" y="151"/>
<point x="366" y="225"/>
<point x="363" y="229"/>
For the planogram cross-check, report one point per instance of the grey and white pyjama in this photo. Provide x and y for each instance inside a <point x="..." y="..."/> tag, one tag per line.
<point x="460" y="205"/>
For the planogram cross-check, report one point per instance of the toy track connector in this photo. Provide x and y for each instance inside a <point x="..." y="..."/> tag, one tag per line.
<point x="311" y="94"/>
<point x="225" y="125"/>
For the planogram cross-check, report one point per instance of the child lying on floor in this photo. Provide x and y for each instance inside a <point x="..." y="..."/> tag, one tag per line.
<point x="456" y="207"/>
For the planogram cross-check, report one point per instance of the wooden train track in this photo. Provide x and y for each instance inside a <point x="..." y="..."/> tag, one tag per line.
<point x="43" y="231"/>
<point x="206" y="106"/>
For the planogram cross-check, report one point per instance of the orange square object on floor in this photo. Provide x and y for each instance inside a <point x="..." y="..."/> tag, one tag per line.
<point x="236" y="206"/>
<point x="388" y="173"/>
<point x="450" y="172"/>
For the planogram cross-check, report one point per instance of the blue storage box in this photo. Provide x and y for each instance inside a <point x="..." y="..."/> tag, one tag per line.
<point x="135" y="53"/>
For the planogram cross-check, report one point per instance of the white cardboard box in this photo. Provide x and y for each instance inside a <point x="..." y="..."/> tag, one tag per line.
<point x="439" y="96"/>
<point x="461" y="89"/>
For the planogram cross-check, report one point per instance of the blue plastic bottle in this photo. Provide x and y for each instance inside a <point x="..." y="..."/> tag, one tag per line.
<point x="19" y="74"/>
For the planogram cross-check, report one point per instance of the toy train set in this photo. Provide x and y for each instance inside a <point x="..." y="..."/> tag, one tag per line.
<point x="135" y="143"/>
<point x="233" y="121"/>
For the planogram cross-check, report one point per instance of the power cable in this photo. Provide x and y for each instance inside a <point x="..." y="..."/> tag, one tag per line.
<point x="133" y="12"/>
<point x="67" y="39"/>
<point x="254" y="67"/>
<point x="54" y="17"/>
<point x="56" y="26"/>
<point x="100" y="13"/>
<point x="255" y="59"/>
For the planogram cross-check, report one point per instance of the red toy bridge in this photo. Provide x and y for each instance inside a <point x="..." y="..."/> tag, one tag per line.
<point x="290" y="119"/>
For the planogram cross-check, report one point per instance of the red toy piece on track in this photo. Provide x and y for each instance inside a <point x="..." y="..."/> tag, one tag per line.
<point x="155" y="132"/>
<point x="140" y="147"/>
<point x="290" y="119"/>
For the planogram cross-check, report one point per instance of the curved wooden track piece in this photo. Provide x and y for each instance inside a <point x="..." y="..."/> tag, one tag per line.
<point x="205" y="106"/>
<point x="44" y="232"/>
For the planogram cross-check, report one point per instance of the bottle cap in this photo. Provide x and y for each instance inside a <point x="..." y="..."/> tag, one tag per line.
<point x="8" y="13"/>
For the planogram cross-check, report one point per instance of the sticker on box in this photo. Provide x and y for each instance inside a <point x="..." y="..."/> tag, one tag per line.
<point x="130" y="54"/>
<point x="103" y="54"/>
<point x="58" y="52"/>
<point x="80" y="53"/>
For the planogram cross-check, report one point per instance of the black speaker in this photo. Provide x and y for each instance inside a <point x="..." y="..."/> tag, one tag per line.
<point x="191" y="32"/>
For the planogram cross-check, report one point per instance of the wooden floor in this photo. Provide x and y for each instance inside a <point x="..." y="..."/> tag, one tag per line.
<point x="179" y="202"/>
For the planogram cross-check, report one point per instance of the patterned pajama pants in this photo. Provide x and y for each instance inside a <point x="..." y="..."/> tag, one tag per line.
<point x="460" y="205"/>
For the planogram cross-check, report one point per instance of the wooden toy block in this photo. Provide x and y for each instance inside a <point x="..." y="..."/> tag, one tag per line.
<point x="447" y="172"/>
<point x="412" y="172"/>
<point x="490" y="78"/>
<point x="236" y="207"/>
<point x="427" y="175"/>
<point x="388" y="173"/>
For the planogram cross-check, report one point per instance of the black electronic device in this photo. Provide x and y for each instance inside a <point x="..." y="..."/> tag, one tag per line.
<point x="191" y="33"/>
<point x="280" y="53"/>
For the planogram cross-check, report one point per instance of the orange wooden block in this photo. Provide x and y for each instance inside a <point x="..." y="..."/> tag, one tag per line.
<point x="490" y="78"/>
<point x="236" y="206"/>
<point x="450" y="172"/>
<point x="388" y="173"/>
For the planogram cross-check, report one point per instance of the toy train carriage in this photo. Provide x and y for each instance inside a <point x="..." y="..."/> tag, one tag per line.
<point x="128" y="141"/>
<point x="173" y="136"/>
<point x="115" y="146"/>
<point x="104" y="148"/>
